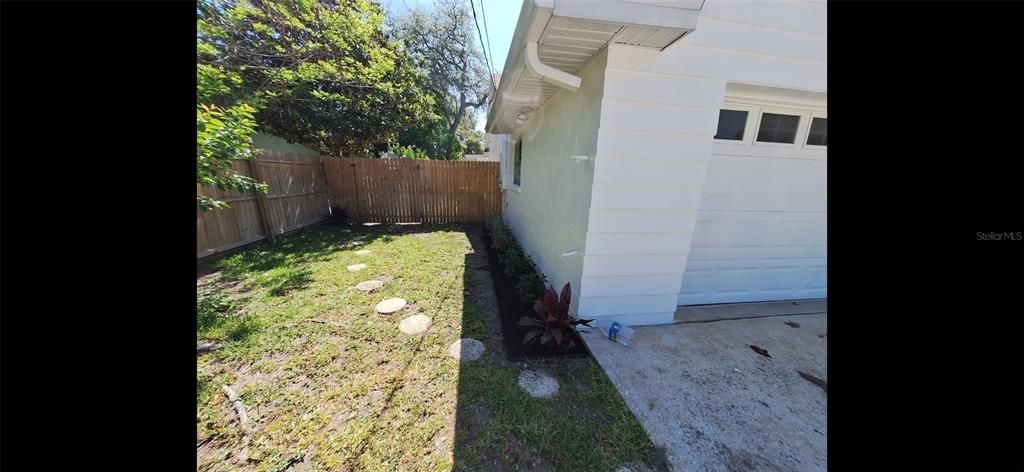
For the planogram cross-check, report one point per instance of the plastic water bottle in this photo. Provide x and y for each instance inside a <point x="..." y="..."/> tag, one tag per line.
<point x="615" y="331"/>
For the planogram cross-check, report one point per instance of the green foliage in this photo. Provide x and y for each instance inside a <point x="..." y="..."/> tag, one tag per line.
<point x="529" y="282"/>
<point x="474" y="146"/>
<point x="326" y="73"/>
<point x="222" y="135"/>
<point x="435" y="139"/>
<point x="224" y="129"/>
<point x="409" y="152"/>
<point x="472" y="140"/>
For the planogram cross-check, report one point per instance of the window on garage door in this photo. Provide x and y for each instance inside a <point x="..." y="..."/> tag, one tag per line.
<point x="777" y="128"/>
<point x="817" y="135"/>
<point x="751" y="124"/>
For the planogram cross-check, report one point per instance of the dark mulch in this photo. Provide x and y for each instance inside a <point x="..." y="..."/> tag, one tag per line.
<point x="511" y="308"/>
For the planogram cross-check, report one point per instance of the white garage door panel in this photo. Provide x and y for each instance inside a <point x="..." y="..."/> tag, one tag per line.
<point x="760" y="231"/>
<point x="752" y="280"/>
<point x="758" y="235"/>
<point x="745" y="183"/>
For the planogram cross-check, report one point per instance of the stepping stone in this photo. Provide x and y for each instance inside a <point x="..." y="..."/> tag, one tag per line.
<point x="369" y="285"/>
<point x="415" y="324"/>
<point x="356" y="267"/>
<point x="466" y="349"/>
<point x="390" y="305"/>
<point x="363" y="252"/>
<point x="538" y="384"/>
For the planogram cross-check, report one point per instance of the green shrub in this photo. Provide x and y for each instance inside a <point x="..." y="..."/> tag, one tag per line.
<point x="409" y="152"/>
<point x="529" y="282"/>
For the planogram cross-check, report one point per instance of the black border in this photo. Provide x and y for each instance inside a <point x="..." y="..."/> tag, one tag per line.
<point x="925" y="351"/>
<point x="925" y="151"/>
<point x="97" y="300"/>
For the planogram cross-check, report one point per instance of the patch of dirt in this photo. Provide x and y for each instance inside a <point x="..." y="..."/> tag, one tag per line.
<point x="481" y="289"/>
<point x="215" y="283"/>
<point x="511" y="309"/>
<point x="208" y="276"/>
<point x="470" y="420"/>
<point x="247" y="375"/>
<point x="534" y="462"/>
<point x="210" y="454"/>
<point x="300" y="383"/>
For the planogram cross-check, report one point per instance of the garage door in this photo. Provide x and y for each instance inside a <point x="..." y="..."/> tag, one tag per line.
<point x="760" y="230"/>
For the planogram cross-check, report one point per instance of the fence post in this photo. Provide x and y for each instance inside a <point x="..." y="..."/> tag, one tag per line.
<point x="355" y="191"/>
<point x="261" y="200"/>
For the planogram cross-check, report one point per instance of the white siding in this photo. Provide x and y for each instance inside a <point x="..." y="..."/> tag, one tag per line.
<point x="609" y="220"/>
<point x="659" y="89"/>
<point x="650" y="171"/>
<point x="549" y="212"/>
<point x="770" y="42"/>
<point x="798" y="17"/>
<point x="639" y="116"/>
<point x="648" y="145"/>
<point x="654" y="172"/>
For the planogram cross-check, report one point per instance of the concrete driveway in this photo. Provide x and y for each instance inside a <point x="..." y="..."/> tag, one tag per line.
<point x="712" y="402"/>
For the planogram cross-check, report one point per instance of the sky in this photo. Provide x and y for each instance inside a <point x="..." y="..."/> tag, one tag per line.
<point x="501" y="17"/>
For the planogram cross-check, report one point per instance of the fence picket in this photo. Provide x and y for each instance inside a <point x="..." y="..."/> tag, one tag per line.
<point x="304" y="189"/>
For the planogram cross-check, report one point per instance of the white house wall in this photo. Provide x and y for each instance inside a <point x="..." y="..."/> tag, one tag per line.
<point x="548" y="212"/>
<point x="659" y="113"/>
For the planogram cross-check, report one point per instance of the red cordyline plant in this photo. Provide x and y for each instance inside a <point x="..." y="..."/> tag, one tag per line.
<point x="552" y="320"/>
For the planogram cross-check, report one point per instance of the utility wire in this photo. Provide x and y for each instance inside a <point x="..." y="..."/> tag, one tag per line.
<point x="483" y="15"/>
<point x="490" y="74"/>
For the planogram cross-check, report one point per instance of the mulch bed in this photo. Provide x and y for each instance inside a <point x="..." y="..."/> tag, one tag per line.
<point x="511" y="308"/>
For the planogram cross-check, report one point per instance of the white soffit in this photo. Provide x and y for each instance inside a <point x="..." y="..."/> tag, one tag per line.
<point x="568" y="34"/>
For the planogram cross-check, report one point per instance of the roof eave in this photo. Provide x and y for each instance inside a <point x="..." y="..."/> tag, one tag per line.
<point x="534" y="19"/>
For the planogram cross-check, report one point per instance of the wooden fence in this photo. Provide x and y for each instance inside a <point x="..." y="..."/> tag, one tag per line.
<point x="297" y="198"/>
<point x="406" y="191"/>
<point x="304" y="189"/>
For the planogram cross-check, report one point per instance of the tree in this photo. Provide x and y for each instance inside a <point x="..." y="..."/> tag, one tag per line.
<point x="223" y="133"/>
<point x="322" y="73"/>
<point x="471" y="139"/>
<point x="434" y="138"/>
<point x="408" y="152"/>
<point x="442" y="42"/>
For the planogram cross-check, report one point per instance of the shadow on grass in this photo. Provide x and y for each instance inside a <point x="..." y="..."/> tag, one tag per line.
<point x="281" y="267"/>
<point x="216" y="320"/>
<point x="305" y="246"/>
<point x="498" y="426"/>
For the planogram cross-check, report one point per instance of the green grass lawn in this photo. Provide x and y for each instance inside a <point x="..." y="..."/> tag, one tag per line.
<point x="329" y="384"/>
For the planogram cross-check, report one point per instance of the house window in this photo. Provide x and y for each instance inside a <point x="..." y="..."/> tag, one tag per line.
<point x="517" y="163"/>
<point x="731" y="124"/>
<point x="818" y="136"/>
<point x="777" y="128"/>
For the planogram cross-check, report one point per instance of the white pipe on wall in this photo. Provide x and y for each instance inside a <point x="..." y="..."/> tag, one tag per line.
<point x="549" y="74"/>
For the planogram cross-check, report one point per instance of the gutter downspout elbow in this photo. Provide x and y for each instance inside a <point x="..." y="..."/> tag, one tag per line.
<point x="550" y="74"/>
